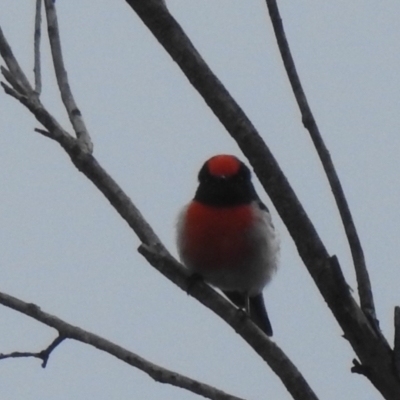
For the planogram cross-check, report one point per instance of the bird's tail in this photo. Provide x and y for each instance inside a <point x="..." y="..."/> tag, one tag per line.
<point x="258" y="312"/>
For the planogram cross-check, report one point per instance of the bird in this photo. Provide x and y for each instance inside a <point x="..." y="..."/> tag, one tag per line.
<point x="226" y="236"/>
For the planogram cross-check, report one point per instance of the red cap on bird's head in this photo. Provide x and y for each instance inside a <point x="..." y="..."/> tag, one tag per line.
<point x="223" y="165"/>
<point x="225" y="181"/>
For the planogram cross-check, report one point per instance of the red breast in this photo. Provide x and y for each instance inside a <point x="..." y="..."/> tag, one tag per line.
<point x="217" y="237"/>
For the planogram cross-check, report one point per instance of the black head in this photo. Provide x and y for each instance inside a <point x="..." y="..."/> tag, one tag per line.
<point x="224" y="181"/>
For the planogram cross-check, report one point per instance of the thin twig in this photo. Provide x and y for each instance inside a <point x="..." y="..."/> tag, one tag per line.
<point x="67" y="97"/>
<point x="23" y="92"/>
<point x="13" y="81"/>
<point x="78" y="154"/>
<point x="37" y="35"/>
<point x="43" y="355"/>
<point x="68" y="331"/>
<point x="56" y="132"/>
<point x="12" y="64"/>
<point x="364" y="284"/>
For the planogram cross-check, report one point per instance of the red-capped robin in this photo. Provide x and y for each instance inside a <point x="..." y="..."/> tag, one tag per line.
<point x="225" y="234"/>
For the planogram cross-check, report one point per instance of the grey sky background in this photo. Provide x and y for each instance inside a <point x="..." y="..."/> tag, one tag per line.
<point x="64" y="248"/>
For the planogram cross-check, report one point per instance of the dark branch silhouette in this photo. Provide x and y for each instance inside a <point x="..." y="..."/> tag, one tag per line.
<point x="151" y="247"/>
<point x="67" y="97"/>
<point x="36" y="44"/>
<point x="397" y="340"/>
<point x="43" y="355"/>
<point x="376" y="360"/>
<point x="364" y="284"/>
<point x="367" y="341"/>
<point x="68" y="331"/>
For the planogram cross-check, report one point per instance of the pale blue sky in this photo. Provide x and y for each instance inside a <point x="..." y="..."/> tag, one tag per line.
<point x="64" y="248"/>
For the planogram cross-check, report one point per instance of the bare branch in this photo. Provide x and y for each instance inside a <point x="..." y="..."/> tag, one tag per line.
<point x="164" y="262"/>
<point x="84" y="162"/>
<point x="68" y="331"/>
<point x="36" y="41"/>
<point x="161" y="259"/>
<point x="371" y="348"/>
<point x="44" y="132"/>
<point x="55" y="131"/>
<point x="364" y="284"/>
<point x="42" y="355"/>
<point x="73" y="111"/>
<point x="12" y="65"/>
<point x="396" y="350"/>
<point x="11" y="92"/>
<point x="265" y="347"/>
<point x="169" y="267"/>
<point x="13" y="81"/>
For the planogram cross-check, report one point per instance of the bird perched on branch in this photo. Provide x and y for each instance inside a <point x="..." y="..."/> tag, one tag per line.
<point x="225" y="235"/>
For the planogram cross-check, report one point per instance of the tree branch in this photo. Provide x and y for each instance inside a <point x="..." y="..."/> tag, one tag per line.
<point x="373" y="351"/>
<point x="73" y="111"/>
<point x="371" y="348"/>
<point x="36" y="45"/>
<point x="42" y="355"/>
<point x="159" y="257"/>
<point x="12" y="64"/>
<point x="396" y="351"/>
<point x="269" y="351"/>
<point x="364" y="284"/>
<point x="68" y="331"/>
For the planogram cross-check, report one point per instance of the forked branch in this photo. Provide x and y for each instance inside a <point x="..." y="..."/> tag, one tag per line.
<point x="364" y="284"/>
<point x="43" y="355"/>
<point x="370" y="346"/>
<point x="151" y="248"/>
<point x="68" y="331"/>
<point x="67" y="97"/>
